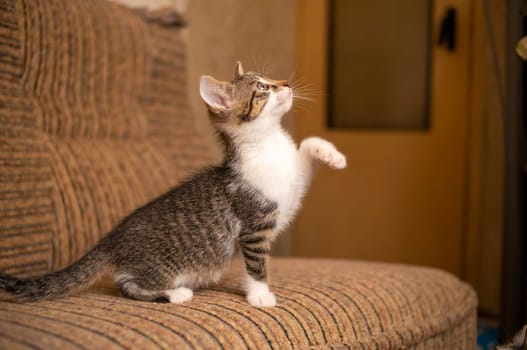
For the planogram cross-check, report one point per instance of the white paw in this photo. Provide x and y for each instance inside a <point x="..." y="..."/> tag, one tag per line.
<point x="325" y="152"/>
<point x="328" y="154"/>
<point x="179" y="295"/>
<point x="331" y="157"/>
<point x="265" y="299"/>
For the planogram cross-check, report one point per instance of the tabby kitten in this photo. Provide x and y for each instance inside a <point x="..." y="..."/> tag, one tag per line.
<point x="186" y="238"/>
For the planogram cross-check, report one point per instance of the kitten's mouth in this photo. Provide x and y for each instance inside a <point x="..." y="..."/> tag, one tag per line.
<point x="286" y="97"/>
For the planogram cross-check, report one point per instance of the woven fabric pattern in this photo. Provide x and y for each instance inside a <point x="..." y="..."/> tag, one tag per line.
<point x="94" y="121"/>
<point x="321" y="304"/>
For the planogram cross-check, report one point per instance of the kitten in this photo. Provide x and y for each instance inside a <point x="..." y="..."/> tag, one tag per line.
<point x="186" y="238"/>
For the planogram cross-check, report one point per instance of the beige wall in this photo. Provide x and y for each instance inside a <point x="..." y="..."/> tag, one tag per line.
<point x="261" y="34"/>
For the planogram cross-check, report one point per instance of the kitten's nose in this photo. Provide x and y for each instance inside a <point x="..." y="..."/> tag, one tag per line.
<point x="284" y="83"/>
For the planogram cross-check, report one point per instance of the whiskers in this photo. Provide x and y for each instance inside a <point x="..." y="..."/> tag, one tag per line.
<point x="304" y="93"/>
<point x="268" y="70"/>
<point x="258" y="62"/>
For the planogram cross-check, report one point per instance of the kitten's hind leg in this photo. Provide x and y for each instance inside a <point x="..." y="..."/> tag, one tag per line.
<point x="179" y="295"/>
<point x="129" y="288"/>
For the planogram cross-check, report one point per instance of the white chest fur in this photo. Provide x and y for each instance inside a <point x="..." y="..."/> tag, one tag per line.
<point x="273" y="166"/>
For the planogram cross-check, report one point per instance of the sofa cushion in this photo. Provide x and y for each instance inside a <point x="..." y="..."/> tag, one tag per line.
<point x="94" y="122"/>
<point x="321" y="304"/>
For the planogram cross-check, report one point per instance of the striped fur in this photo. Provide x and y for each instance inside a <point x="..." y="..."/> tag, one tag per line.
<point x="73" y="279"/>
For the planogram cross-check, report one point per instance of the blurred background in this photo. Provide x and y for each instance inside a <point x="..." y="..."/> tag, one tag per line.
<point x="425" y="98"/>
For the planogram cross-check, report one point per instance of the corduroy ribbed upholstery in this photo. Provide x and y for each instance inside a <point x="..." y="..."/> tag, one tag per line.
<point x="321" y="304"/>
<point x="94" y="121"/>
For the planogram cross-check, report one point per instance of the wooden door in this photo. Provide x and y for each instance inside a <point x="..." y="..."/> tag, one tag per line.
<point x="403" y="196"/>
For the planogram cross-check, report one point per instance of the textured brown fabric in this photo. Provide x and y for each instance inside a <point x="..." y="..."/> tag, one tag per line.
<point x="321" y="304"/>
<point x="94" y="121"/>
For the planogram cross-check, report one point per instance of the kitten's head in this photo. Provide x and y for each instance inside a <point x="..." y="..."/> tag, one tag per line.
<point x="249" y="101"/>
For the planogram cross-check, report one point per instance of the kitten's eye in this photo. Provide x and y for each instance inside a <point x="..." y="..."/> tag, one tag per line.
<point x="262" y="86"/>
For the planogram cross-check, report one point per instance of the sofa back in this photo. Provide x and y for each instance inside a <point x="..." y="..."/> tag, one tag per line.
<point x="94" y="121"/>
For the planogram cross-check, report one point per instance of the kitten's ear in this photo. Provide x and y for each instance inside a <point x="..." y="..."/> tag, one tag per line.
<point x="238" y="70"/>
<point x="217" y="95"/>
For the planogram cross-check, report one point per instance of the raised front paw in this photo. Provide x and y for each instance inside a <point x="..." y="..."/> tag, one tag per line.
<point x="331" y="157"/>
<point x="325" y="152"/>
<point x="262" y="299"/>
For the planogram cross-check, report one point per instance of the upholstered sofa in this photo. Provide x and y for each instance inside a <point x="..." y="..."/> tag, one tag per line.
<point x="94" y="121"/>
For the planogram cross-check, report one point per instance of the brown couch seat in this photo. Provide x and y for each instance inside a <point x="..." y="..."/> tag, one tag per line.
<point x="321" y="304"/>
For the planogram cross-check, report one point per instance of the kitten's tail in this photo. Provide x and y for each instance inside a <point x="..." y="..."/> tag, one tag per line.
<point x="74" y="278"/>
